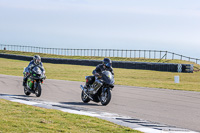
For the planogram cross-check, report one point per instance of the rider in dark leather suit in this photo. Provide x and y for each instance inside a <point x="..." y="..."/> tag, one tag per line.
<point x="35" y="62"/>
<point x="106" y="65"/>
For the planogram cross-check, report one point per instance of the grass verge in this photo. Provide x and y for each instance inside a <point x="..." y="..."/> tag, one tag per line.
<point x="16" y="117"/>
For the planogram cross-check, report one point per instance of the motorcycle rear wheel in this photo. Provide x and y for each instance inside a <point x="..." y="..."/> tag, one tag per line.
<point x="84" y="97"/>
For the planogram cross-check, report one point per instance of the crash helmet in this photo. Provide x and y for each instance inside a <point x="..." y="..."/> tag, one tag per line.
<point x="37" y="59"/>
<point x="107" y="62"/>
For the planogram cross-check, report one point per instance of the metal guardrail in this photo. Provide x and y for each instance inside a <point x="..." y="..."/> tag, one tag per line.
<point x="145" y="54"/>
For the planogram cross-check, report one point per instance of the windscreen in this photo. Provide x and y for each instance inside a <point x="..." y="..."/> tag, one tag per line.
<point x="108" y="77"/>
<point x="37" y="70"/>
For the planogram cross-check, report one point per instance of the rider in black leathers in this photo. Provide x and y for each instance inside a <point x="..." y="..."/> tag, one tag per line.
<point x="106" y="65"/>
<point x="35" y="62"/>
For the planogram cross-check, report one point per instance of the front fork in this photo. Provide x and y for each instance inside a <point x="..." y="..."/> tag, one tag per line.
<point x="104" y="90"/>
<point x="35" y="85"/>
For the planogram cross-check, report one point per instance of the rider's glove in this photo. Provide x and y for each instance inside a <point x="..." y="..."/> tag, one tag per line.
<point x="96" y="74"/>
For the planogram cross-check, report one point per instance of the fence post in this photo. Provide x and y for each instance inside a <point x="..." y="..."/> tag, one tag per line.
<point x="139" y="54"/>
<point x="160" y="54"/>
<point x="134" y="53"/>
<point x="166" y="56"/>
<point x="149" y="54"/>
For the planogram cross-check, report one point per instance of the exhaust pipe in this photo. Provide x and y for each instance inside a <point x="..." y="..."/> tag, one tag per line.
<point x="82" y="88"/>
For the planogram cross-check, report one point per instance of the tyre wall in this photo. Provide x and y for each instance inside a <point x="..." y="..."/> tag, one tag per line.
<point x="169" y="67"/>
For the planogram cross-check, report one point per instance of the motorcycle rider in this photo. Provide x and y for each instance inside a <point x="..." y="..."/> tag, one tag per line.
<point x="106" y="65"/>
<point x="35" y="62"/>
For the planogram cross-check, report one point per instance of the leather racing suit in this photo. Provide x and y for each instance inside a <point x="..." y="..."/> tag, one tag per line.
<point x="98" y="71"/>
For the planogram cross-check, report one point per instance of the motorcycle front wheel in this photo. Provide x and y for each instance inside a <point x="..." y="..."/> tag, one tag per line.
<point x="84" y="97"/>
<point x="105" y="97"/>
<point x="38" y="90"/>
<point x="26" y="91"/>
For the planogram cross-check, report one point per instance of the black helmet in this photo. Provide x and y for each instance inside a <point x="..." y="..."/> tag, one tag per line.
<point x="107" y="62"/>
<point x="37" y="59"/>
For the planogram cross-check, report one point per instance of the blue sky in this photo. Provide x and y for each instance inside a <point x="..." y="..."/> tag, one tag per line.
<point x="172" y="25"/>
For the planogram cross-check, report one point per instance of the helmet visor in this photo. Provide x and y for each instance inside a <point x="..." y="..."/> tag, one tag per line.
<point x="37" y="61"/>
<point x="108" y="65"/>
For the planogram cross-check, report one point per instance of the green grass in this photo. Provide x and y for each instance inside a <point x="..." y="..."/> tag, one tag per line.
<point x="130" y="77"/>
<point x="16" y="117"/>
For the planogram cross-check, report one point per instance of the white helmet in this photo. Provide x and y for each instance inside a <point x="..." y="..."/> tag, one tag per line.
<point x="37" y="59"/>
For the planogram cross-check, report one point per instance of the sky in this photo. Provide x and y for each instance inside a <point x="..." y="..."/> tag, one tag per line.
<point x="168" y="25"/>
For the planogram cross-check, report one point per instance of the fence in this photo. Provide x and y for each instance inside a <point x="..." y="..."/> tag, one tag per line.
<point x="146" y="54"/>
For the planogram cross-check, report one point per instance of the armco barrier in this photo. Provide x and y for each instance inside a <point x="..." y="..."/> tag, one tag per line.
<point x="169" y="67"/>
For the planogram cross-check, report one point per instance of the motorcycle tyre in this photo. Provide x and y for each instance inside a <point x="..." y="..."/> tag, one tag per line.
<point x="26" y="91"/>
<point x="39" y="90"/>
<point x="108" y="98"/>
<point x="85" y="100"/>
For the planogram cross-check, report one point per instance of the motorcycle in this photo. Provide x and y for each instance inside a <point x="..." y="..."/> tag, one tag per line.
<point x="100" y="90"/>
<point x="34" y="81"/>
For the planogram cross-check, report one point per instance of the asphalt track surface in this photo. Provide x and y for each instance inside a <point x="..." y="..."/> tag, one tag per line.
<point x="170" y="107"/>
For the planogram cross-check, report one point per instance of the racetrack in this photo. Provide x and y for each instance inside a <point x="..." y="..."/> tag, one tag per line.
<point x="171" y="107"/>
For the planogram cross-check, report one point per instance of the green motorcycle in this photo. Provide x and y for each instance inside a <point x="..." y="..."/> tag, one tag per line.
<point x="34" y="82"/>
